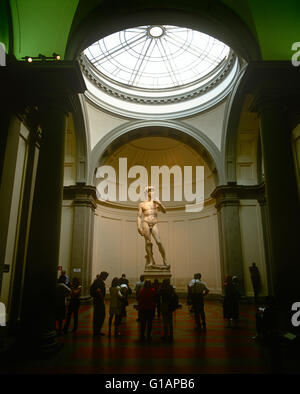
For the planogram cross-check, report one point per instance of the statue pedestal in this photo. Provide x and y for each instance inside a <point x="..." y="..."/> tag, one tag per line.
<point x="157" y="273"/>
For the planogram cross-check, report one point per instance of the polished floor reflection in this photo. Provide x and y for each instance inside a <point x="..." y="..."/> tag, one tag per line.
<point x="218" y="350"/>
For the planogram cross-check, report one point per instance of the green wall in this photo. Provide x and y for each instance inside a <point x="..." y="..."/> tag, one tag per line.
<point x="41" y="26"/>
<point x="277" y="26"/>
<point x="275" y="23"/>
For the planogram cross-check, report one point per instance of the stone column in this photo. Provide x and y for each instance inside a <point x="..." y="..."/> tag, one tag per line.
<point x="37" y="318"/>
<point x="267" y="241"/>
<point x="282" y="201"/>
<point x="296" y="151"/>
<point x="84" y="203"/>
<point x="227" y="204"/>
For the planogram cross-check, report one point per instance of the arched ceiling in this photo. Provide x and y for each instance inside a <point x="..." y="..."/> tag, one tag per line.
<point x="46" y="26"/>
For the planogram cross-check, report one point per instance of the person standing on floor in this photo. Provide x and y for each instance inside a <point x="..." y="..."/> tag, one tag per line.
<point x="138" y="286"/>
<point x="189" y="297"/>
<point x="231" y="301"/>
<point x="169" y="303"/>
<point x="147" y="309"/>
<point x="124" y="301"/>
<point x="255" y="279"/>
<point x="198" y="291"/>
<point x="115" y="309"/>
<point x="62" y="291"/>
<point x="157" y="300"/>
<point x="98" y="292"/>
<point x="67" y="281"/>
<point x="74" y="304"/>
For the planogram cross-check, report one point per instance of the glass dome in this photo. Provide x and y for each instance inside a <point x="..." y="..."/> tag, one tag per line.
<point x="157" y="70"/>
<point x="157" y="57"/>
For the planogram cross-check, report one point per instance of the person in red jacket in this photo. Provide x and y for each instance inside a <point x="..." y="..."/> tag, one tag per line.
<point x="146" y="309"/>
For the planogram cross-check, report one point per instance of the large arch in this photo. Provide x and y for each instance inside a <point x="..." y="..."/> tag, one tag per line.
<point x="212" y="17"/>
<point x="174" y="129"/>
<point x="230" y="129"/>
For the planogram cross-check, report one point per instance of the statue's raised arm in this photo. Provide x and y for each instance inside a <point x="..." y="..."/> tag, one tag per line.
<point x="160" y="205"/>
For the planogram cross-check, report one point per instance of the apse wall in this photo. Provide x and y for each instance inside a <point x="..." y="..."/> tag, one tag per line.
<point x="190" y="239"/>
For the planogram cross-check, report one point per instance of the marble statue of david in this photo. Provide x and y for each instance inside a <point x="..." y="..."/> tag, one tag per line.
<point x="148" y="226"/>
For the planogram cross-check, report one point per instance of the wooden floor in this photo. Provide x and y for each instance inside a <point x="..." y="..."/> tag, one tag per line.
<point x="218" y="350"/>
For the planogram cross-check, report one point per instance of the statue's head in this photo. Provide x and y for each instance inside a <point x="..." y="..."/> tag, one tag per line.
<point x="149" y="190"/>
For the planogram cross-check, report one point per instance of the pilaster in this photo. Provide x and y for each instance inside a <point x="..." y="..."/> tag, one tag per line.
<point x="84" y="204"/>
<point x="227" y="204"/>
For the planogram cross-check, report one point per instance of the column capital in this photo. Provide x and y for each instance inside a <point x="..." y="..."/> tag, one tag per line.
<point x="231" y="194"/>
<point x="81" y="194"/>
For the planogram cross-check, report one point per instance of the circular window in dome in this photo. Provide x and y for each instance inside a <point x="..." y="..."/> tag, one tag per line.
<point x="158" y="64"/>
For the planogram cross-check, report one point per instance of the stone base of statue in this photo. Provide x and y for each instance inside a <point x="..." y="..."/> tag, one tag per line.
<point x="159" y="272"/>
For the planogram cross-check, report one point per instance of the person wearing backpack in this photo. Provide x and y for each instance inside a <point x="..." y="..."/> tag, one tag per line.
<point x="198" y="291"/>
<point x="169" y="303"/>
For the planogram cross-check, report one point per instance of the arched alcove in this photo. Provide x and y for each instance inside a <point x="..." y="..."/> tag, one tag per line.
<point x="191" y="239"/>
<point x="174" y="129"/>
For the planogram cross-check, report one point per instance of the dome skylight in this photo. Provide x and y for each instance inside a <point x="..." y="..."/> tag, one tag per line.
<point x="157" y="57"/>
<point x="158" y="71"/>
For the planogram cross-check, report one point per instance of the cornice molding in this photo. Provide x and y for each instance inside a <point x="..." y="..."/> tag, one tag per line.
<point x="81" y="194"/>
<point x="164" y="99"/>
<point x="38" y="82"/>
<point x="231" y="194"/>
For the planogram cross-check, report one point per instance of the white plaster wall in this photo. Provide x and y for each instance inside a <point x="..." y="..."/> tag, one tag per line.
<point x="100" y="123"/>
<point x="190" y="239"/>
<point x="252" y="243"/>
<point x="65" y="250"/>
<point x="210" y="123"/>
<point x="246" y="160"/>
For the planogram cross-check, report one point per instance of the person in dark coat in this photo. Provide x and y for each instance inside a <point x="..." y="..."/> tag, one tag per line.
<point x="157" y="299"/>
<point x="231" y="301"/>
<point x="139" y="285"/>
<point x="255" y="279"/>
<point x="147" y="309"/>
<point x="74" y="303"/>
<point x="115" y="310"/>
<point x="98" y="292"/>
<point x="62" y="291"/>
<point x="167" y="293"/>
